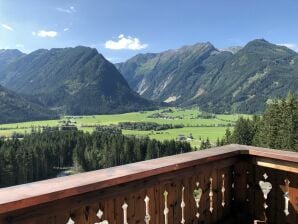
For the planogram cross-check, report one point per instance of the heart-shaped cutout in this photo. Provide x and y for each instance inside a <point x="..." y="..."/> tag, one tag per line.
<point x="265" y="187"/>
<point x="198" y="194"/>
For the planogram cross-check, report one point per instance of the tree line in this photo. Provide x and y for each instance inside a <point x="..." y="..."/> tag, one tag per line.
<point x="147" y="126"/>
<point x="36" y="155"/>
<point x="277" y="128"/>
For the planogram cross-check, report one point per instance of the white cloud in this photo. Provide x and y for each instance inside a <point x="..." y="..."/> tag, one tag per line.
<point x="125" y="43"/>
<point x="68" y="10"/>
<point x="44" y="33"/>
<point x="7" y="27"/>
<point x="66" y="29"/>
<point x="291" y="46"/>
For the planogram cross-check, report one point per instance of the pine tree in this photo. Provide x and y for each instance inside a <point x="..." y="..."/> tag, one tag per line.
<point x="218" y="142"/>
<point x="208" y="144"/>
<point x="244" y="131"/>
<point x="150" y="150"/>
<point x="202" y="145"/>
<point x="228" y="136"/>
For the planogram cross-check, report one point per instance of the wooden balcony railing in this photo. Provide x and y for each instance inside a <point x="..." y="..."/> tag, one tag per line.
<point x="230" y="184"/>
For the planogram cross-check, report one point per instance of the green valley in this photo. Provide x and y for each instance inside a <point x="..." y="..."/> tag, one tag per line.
<point x="194" y="123"/>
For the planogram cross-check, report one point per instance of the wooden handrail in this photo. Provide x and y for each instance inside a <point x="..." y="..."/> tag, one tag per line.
<point x="28" y="195"/>
<point x="288" y="156"/>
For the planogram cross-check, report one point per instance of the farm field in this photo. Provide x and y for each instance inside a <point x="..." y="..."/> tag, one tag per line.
<point x="194" y="123"/>
<point x="198" y="133"/>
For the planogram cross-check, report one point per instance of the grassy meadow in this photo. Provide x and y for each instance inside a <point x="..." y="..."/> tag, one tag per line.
<point x="198" y="127"/>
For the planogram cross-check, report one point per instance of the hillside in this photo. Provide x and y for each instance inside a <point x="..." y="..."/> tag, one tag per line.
<point x="73" y="81"/>
<point x="9" y="56"/>
<point x="218" y="81"/>
<point x="164" y="76"/>
<point x="16" y="109"/>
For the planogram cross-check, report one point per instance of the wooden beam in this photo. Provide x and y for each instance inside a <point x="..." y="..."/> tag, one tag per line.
<point x="277" y="164"/>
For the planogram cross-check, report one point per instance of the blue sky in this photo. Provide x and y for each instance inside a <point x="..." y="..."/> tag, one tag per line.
<point x="120" y="29"/>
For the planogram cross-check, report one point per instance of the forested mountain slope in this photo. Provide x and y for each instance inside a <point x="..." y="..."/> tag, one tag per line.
<point x="218" y="81"/>
<point x="73" y="81"/>
<point x="14" y="108"/>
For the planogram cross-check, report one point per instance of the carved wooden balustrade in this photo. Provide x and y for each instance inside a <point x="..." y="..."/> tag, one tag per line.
<point x="230" y="184"/>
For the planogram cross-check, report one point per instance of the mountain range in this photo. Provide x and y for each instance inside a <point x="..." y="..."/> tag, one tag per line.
<point x="76" y="81"/>
<point x="80" y="81"/>
<point x="222" y="81"/>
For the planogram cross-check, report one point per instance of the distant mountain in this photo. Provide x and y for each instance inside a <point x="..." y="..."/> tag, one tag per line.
<point x="13" y="107"/>
<point x="164" y="76"/>
<point x="218" y="81"/>
<point x="16" y="109"/>
<point x="9" y="56"/>
<point x="73" y="81"/>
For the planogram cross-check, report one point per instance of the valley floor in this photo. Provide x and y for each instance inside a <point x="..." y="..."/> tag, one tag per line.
<point x="194" y="123"/>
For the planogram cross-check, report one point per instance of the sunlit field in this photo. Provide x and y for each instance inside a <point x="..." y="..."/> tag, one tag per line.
<point x="200" y="128"/>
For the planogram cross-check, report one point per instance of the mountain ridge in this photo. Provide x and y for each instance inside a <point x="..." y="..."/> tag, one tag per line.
<point x="7" y="56"/>
<point x="216" y="80"/>
<point x="73" y="81"/>
<point x="17" y="109"/>
<point x="81" y="81"/>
